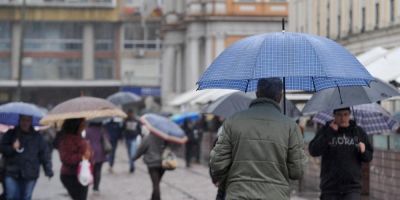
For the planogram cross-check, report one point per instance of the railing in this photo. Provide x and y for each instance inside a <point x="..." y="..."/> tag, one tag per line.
<point x="53" y="44"/>
<point x="142" y="44"/>
<point x="61" y="3"/>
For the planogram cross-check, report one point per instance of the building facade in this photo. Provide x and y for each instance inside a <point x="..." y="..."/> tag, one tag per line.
<point x="195" y="32"/>
<point x="73" y="48"/>
<point x="358" y="24"/>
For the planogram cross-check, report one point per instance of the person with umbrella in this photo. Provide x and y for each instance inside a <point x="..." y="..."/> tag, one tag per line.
<point x="73" y="148"/>
<point x="160" y="134"/>
<point x="259" y="150"/>
<point x="24" y="150"/>
<point x="131" y="130"/>
<point x="343" y="146"/>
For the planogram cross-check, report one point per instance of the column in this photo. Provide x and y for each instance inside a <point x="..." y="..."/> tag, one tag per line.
<point x="333" y="29"/>
<point x="370" y="15"/>
<point x="88" y="52"/>
<point x="345" y="18"/>
<point x="178" y="69"/>
<point x="323" y="8"/>
<point x="192" y="68"/>
<point x="219" y="43"/>
<point x="357" y="16"/>
<point x="208" y="51"/>
<point x="15" y="48"/>
<point x="384" y="13"/>
<point x="167" y="76"/>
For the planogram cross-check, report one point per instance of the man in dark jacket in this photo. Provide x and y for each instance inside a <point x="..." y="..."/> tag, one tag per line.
<point x="343" y="146"/>
<point x="131" y="130"/>
<point x="259" y="149"/>
<point x="24" y="150"/>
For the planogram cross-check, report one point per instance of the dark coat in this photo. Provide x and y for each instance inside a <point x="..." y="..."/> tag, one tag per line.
<point x="341" y="158"/>
<point x="26" y="164"/>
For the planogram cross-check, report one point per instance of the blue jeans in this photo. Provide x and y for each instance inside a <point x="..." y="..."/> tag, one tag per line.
<point x="131" y="148"/>
<point x="19" y="189"/>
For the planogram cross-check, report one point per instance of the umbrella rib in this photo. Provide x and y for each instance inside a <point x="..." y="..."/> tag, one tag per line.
<point x="340" y="94"/>
<point x="313" y="82"/>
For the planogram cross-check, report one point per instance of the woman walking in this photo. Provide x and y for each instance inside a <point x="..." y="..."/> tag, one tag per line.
<point x="151" y="148"/>
<point x="73" y="148"/>
<point x="94" y="135"/>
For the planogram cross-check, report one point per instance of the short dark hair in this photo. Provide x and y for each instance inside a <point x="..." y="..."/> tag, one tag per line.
<point x="269" y="88"/>
<point x="71" y="126"/>
<point x="341" y="109"/>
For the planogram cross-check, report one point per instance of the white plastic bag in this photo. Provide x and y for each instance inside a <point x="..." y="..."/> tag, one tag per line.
<point x="85" y="175"/>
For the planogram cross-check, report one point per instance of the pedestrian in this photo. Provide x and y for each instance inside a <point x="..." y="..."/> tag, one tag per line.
<point x="24" y="150"/>
<point x="199" y="129"/>
<point x="187" y="127"/>
<point x="259" y="149"/>
<point x="152" y="148"/>
<point x="343" y="146"/>
<point x="114" y="130"/>
<point x="131" y="130"/>
<point x="73" y="148"/>
<point x="95" y="133"/>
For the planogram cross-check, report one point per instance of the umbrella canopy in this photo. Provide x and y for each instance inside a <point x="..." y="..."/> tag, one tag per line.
<point x="10" y="112"/>
<point x="341" y="97"/>
<point x="371" y="117"/>
<point x="82" y="107"/>
<point x="230" y="104"/>
<point x="164" y="128"/>
<point x="122" y="98"/>
<point x="180" y="118"/>
<point x="307" y="62"/>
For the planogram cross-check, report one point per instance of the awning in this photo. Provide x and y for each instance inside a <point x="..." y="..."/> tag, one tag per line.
<point x="211" y="95"/>
<point x="186" y="97"/>
<point x="386" y="68"/>
<point x="372" y="55"/>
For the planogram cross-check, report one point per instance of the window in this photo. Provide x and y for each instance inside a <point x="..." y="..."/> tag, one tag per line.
<point x="5" y="36"/>
<point x="339" y="25"/>
<point x="104" y="69"/>
<point x="53" y="69"/>
<point x="50" y="36"/>
<point x="5" y="69"/>
<point x="104" y="34"/>
<point x="351" y="21"/>
<point x="137" y="38"/>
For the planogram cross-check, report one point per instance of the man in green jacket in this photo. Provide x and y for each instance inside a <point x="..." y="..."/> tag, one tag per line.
<point x="259" y="149"/>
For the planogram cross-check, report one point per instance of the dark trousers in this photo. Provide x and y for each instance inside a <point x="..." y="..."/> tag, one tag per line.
<point x="342" y="196"/>
<point x="189" y="148"/>
<point x="75" y="189"/>
<point x="156" y="174"/>
<point x="97" y="175"/>
<point x="114" y="144"/>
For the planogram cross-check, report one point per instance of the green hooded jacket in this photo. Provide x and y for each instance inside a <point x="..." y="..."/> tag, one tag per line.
<point x="257" y="152"/>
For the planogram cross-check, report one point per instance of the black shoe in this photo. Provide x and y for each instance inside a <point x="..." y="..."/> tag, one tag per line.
<point x="131" y="170"/>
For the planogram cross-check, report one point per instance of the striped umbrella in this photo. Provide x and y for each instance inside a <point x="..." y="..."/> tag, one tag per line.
<point x="371" y="117"/>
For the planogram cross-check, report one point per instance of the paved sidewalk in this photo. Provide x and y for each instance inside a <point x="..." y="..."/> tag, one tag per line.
<point x="181" y="184"/>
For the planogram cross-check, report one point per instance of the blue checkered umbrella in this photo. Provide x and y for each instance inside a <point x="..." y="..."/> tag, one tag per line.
<point x="306" y="62"/>
<point x="371" y="117"/>
<point x="10" y="112"/>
